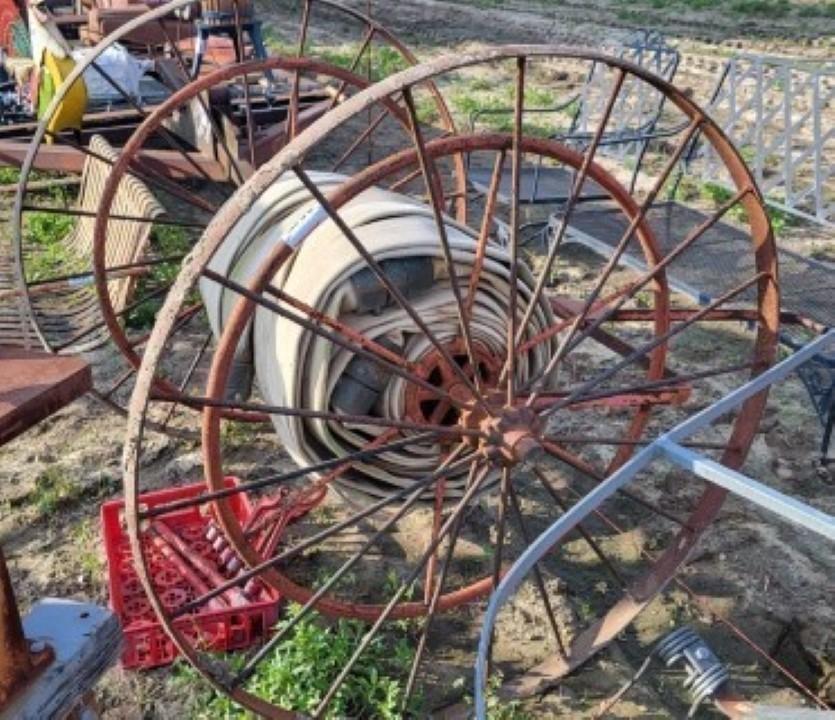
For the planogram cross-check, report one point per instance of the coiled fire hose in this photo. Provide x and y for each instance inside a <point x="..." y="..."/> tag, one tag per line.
<point x="292" y="366"/>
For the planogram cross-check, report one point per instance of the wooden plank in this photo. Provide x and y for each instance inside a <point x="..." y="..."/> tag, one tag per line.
<point x="34" y="384"/>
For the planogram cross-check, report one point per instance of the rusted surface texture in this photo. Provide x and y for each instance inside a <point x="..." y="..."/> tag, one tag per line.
<point x="515" y="432"/>
<point x="35" y="384"/>
<point x="19" y="664"/>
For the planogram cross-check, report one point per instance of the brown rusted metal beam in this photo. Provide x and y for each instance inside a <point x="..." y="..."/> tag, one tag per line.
<point x="64" y="158"/>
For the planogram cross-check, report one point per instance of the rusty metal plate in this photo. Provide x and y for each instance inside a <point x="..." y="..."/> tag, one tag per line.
<point x="35" y="384"/>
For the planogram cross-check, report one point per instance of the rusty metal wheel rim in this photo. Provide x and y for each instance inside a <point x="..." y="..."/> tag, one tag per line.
<point x="748" y="196"/>
<point x="111" y="322"/>
<point x="241" y="317"/>
<point x="169" y="391"/>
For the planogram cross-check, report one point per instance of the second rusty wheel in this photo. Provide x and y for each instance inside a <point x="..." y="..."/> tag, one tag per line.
<point x="212" y="130"/>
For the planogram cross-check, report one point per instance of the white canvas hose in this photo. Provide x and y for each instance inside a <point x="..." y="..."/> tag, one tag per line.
<point x="297" y="368"/>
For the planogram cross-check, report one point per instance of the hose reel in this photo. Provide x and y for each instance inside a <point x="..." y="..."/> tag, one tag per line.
<point x="293" y="367"/>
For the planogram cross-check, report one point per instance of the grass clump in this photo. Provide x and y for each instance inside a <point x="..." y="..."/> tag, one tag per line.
<point x="57" y="487"/>
<point x="825" y="9"/>
<point x="299" y="672"/>
<point x="384" y="61"/>
<point x="9" y="176"/>
<point x="167" y="241"/>
<point x="85" y="537"/>
<point x="45" y="233"/>
<point x="718" y="195"/>
<point x="53" y="488"/>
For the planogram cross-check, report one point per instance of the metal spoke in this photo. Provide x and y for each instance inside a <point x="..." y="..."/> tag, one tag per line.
<point x="342" y="328"/>
<point x="337" y="339"/>
<point x="120" y="381"/>
<point x="369" y="636"/>
<point x="290" y="553"/>
<point x="216" y="131"/>
<point x="187" y="378"/>
<point x="120" y="313"/>
<point x="501" y="516"/>
<point x="316" y="492"/>
<point x="250" y="125"/>
<point x="385" y="280"/>
<point x="591" y="440"/>
<point x="437" y="515"/>
<point x="80" y="212"/>
<point x="612" y="262"/>
<point x="402" y="182"/>
<point x="360" y="139"/>
<point x="113" y="272"/>
<point x="266" y="649"/>
<point x="436" y="594"/>
<point x="589" y="471"/>
<point x="173" y="142"/>
<point x="149" y="175"/>
<point x="433" y="184"/>
<point x="283" y="478"/>
<point x="183" y="318"/>
<point x="199" y="403"/>
<point x="355" y="61"/>
<point x="293" y="118"/>
<point x="516" y="170"/>
<point x="626" y="293"/>
<point x="576" y="191"/>
<point x="644" y="349"/>
<point x="663" y="382"/>
<point x="540" y="581"/>
<point x="590" y="541"/>
<point x="484" y="233"/>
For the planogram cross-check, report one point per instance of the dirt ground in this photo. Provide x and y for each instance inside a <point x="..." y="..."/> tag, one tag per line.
<point x="761" y="575"/>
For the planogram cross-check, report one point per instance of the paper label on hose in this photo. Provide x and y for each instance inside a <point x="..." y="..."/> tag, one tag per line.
<point x="308" y="223"/>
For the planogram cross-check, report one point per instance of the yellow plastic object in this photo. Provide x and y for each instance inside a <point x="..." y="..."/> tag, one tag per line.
<point x="70" y="111"/>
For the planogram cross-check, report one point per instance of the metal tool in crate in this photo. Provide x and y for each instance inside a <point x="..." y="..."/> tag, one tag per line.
<point x="185" y="563"/>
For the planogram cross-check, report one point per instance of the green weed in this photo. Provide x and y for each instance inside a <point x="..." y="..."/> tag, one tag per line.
<point x="761" y="8"/>
<point x="9" y="176"/>
<point x="384" y="61"/>
<point x="237" y="433"/>
<point x="167" y="241"/>
<point x="57" y="487"/>
<point x="719" y="195"/>
<point x="46" y="233"/>
<point x="85" y="538"/>
<point x="300" y="670"/>
<point x="497" y="709"/>
<point x="53" y="487"/>
<point x="826" y="9"/>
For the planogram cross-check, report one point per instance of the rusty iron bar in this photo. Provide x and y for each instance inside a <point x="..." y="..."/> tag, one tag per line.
<point x="20" y="663"/>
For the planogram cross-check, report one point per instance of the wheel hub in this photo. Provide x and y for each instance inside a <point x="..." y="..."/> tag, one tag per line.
<point x="510" y="436"/>
<point x="423" y="406"/>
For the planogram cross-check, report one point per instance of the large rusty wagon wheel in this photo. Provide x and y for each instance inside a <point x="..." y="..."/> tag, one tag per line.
<point x="82" y="293"/>
<point x="439" y="390"/>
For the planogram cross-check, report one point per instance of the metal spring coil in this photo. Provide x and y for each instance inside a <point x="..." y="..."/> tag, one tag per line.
<point x="705" y="672"/>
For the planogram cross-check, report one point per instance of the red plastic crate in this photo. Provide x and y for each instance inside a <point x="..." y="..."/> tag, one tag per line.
<point x="146" y="643"/>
